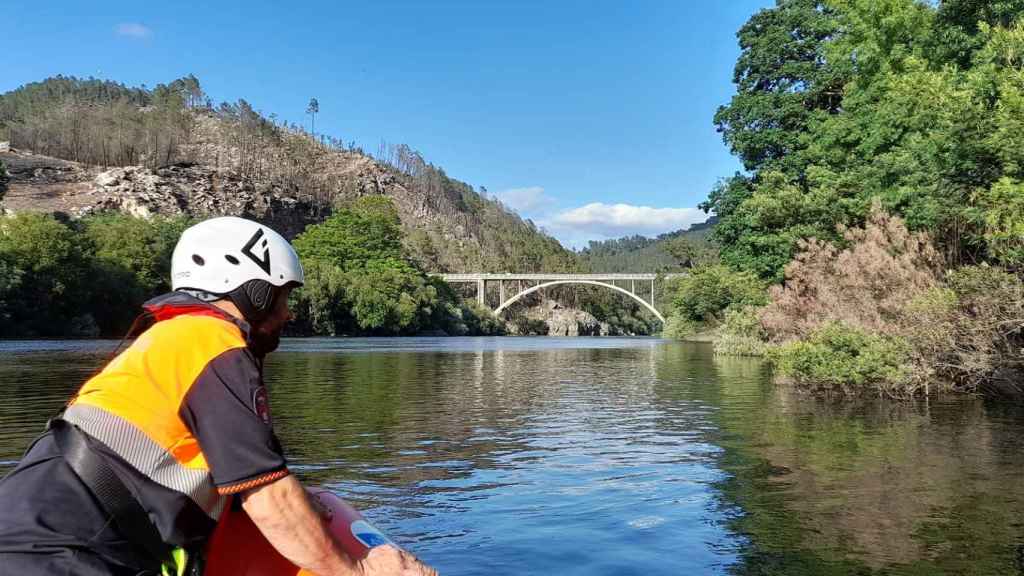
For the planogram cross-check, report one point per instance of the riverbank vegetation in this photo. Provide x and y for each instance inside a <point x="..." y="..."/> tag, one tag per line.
<point x="88" y="277"/>
<point x="882" y="195"/>
<point x="360" y="280"/>
<point x="82" y="278"/>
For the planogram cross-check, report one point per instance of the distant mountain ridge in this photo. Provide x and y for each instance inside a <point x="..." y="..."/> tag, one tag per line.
<point x="640" y="253"/>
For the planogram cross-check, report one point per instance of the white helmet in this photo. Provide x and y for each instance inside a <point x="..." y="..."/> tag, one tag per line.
<point x="221" y="255"/>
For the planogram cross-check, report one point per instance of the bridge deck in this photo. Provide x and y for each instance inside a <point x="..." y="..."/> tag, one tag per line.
<point x="550" y="277"/>
<point x="542" y="280"/>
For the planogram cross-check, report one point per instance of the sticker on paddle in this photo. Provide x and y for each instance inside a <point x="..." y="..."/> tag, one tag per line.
<point x="238" y="547"/>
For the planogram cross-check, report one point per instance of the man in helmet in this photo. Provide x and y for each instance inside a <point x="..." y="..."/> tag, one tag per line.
<point x="134" y="474"/>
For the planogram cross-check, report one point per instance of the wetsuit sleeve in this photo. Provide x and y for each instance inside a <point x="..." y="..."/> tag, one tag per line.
<point x="226" y="410"/>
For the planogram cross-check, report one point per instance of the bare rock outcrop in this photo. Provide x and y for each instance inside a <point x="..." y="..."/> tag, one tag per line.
<point x="194" y="190"/>
<point x="563" y="321"/>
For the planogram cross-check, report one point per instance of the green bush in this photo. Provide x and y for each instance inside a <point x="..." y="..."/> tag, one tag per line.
<point x="678" y="327"/>
<point x="704" y="294"/>
<point x="841" y="358"/>
<point x="1002" y="208"/>
<point x="741" y="333"/>
<point x="478" y="320"/>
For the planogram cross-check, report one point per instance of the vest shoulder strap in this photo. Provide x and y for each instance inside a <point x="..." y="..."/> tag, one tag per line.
<point x="117" y="501"/>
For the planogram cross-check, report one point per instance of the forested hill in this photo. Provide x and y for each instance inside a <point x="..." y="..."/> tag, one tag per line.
<point x="84" y="146"/>
<point x="666" y="253"/>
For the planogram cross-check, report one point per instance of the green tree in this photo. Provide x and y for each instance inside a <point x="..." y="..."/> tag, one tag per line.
<point x="141" y="246"/>
<point x="321" y="306"/>
<point x="958" y="23"/>
<point x="928" y="132"/>
<point x="362" y="281"/>
<point x="707" y="292"/>
<point x="786" y="82"/>
<point x="367" y="230"/>
<point x="10" y="280"/>
<point x="54" y="290"/>
<point x="690" y="252"/>
<point x="132" y="262"/>
<point x="783" y="80"/>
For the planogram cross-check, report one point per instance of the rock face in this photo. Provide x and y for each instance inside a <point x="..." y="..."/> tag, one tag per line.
<point x="213" y="187"/>
<point x="44" y="184"/>
<point x="193" y="190"/>
<point x="562" y="321"/>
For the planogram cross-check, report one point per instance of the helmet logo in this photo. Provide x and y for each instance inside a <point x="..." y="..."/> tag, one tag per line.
<point x="263" y="263"/>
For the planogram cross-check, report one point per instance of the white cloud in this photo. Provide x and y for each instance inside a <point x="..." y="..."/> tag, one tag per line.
<point x="525" y="200"/>
<point x="598" y="221"/>
<point x="133" y="30"/>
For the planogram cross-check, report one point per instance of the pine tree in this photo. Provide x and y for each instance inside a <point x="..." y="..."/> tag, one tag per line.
<point x="313" y="109"/>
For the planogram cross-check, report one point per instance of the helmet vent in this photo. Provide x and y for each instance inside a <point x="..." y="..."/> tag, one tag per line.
<point x="231" y="259"/>
<point x="198" y="259"/>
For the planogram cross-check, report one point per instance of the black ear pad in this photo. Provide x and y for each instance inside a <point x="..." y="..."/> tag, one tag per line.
<point x="254" y="299"/>
<point x="259" y="293"/>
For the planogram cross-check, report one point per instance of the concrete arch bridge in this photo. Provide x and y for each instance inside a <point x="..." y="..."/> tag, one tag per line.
<point x="513" y="287"/>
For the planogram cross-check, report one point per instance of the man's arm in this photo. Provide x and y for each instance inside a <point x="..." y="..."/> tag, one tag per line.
<point x="282" y="512"/>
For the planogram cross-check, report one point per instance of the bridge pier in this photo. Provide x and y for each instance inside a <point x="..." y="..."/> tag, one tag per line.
<point x="481" y="292"/>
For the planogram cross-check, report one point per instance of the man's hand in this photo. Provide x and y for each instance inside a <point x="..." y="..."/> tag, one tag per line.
<point x="390" y="561"/>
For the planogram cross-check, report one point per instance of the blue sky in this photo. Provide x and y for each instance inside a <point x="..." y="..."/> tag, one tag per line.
<point x="592" y="118"/>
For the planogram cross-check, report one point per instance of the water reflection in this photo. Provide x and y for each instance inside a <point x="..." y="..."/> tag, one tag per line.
<point x="513" y="460"/>
<point x="872" y="487"/>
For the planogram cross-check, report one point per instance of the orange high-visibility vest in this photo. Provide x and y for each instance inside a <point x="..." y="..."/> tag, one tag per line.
<point x="132" y="405"/>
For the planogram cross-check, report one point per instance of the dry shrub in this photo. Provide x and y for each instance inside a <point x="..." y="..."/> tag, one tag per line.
<point x="969" y="334"/>
<point x="866" y="285"/>
<point x="878" y="315"/>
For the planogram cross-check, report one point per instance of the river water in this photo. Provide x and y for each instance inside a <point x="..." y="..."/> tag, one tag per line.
<point x="614" y="456"/>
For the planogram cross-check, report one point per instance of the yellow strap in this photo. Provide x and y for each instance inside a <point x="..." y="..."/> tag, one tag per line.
<point x="180" y="563"/>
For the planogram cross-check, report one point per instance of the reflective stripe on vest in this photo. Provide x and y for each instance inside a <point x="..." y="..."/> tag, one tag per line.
<point x="133" y="405"/>
<point x="132" y="444"/>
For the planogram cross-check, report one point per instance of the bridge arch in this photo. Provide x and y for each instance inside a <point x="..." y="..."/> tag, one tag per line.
<point x="533" y="289"/>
